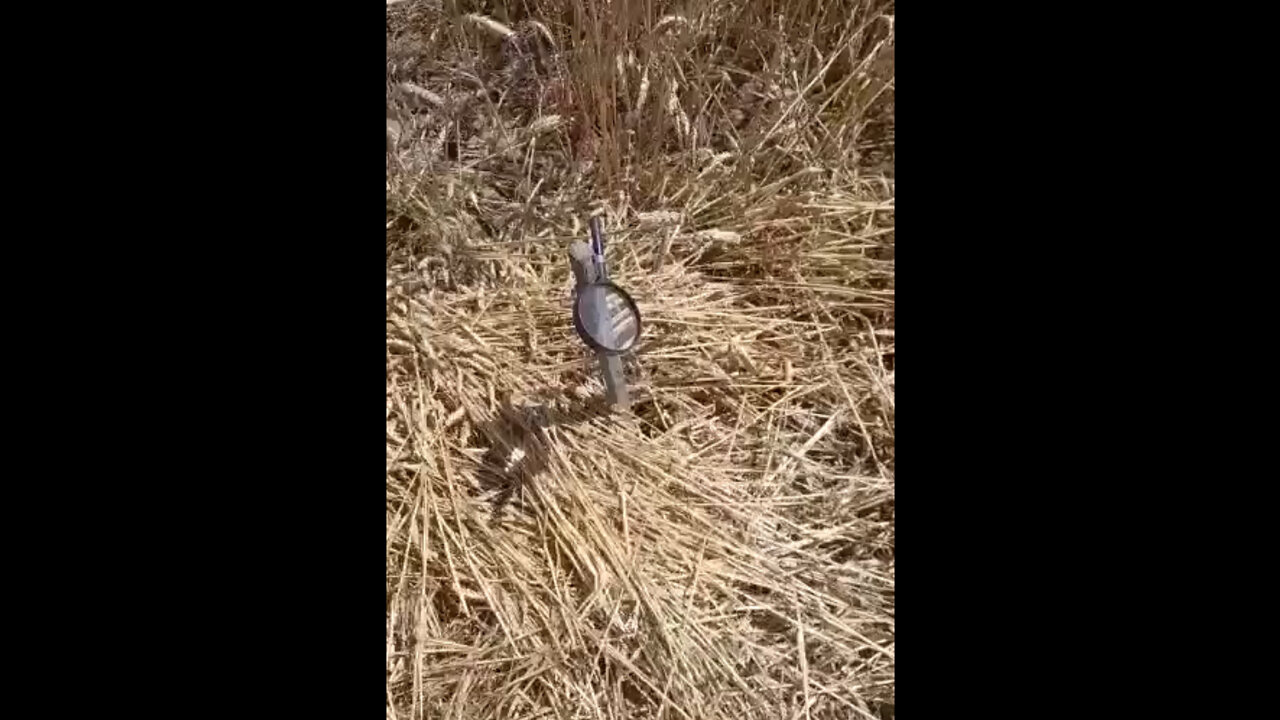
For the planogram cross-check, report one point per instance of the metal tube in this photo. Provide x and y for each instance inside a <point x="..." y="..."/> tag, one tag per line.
<point x="596" y="316"/>
<point x="597" y="248"/>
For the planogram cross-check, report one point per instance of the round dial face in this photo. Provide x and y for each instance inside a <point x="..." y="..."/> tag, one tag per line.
<point x="606" y="318"/>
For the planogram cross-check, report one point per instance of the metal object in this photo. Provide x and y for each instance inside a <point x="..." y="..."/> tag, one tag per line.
<point x="606" y="318"/>
<point x="597" y="248"/>
<point x="604" y="315"/>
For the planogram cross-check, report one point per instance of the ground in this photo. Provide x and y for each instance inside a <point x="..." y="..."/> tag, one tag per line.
<point x="724" y="548"/>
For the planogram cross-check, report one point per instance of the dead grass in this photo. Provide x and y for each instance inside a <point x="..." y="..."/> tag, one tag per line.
<point x="726" y="548"/>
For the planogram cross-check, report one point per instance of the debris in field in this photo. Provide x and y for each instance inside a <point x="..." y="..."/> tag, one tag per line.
<point x="658" y="217"/>
<point x="720" y="235"/>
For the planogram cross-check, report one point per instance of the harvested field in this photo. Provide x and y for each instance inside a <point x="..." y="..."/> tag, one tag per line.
<point x="724" y="548"/>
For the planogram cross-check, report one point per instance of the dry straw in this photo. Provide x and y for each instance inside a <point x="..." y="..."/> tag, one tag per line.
<point x="726" y="548"/>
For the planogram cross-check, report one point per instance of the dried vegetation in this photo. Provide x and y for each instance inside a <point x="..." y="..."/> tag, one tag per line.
<point x="725" y="549"/>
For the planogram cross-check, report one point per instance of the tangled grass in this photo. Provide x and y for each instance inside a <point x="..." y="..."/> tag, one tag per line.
<point x="725" y="547"/>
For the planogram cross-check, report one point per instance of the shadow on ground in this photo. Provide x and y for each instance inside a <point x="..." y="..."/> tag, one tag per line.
<point x="517" y="440"/>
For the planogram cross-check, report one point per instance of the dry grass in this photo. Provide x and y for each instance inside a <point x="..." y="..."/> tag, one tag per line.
<point x="726" y="548"/>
